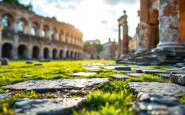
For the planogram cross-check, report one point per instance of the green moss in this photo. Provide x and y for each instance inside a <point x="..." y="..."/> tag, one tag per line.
<point x="6" y="105"/>
<point x="181" y="99"/>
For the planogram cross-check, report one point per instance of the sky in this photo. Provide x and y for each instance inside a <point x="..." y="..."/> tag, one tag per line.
<point x="96" y="19"/>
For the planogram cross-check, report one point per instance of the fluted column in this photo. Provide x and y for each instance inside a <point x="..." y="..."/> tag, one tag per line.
<point x="168" y="22"/>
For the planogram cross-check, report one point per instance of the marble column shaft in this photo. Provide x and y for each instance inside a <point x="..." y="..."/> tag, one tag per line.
<point x="168" y="21"/>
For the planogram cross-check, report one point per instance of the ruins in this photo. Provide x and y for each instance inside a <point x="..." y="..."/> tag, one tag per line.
<point x="160" y="34"/>
<point x="26" y="35"/>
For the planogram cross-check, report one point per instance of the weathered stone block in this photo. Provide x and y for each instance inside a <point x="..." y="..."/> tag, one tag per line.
<point x="125" y="68"/>
<point x="4" y="61"/>
<point x="178" y="79"/>
<point x="47" y="106"/>
<point x="4" y="95"/>
<point x="158" y="88"/>
<point x="120" y="76"/>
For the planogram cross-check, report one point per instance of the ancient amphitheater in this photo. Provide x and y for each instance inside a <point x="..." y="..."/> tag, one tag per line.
<point x="25" y="35"/>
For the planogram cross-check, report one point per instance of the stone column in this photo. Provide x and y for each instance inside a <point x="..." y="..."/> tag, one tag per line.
<point x="168" y="22"/>
<point x="29" y="28"/>
<point x="41" y="53"/>
<point x="14" y="26"/>
<point x="144" y="26"/>
<point x="14" y="52"/>
<point x="119" y="40"/>
<point x="40" y="30"/>
<point x="125" y="36"/>
<point x="50" y="54"/>
<point x="1" y="28"/>
<point x="30" y="52"/>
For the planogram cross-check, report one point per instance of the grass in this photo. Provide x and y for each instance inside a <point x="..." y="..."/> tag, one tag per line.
<point x="158" y="67"/>
<point x="6" y="105"/>
<point x="114" y="98"/>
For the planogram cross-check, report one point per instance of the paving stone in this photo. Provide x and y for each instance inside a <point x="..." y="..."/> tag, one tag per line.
<point x="83" y="74"/>
<point x="4" y="95"/>
<point x="26" y="76"/>
<point x="120" y="76"/>
<point x="182" y="69"/>
<point x="157" y="104"/>
<point x="93" y="68"/>
<point x="47" y="106"/>
<point x="180" y="65"/>
<point x="56" y="84"/>
<point x="135" y="74"/>
<point x="153" y="71"/>
<point x="4" y="61"/>
<point x="29" y="62"/>
<point x="178" y="78"/>
<point x="125" y="68"/>
<point x="158" y="88"/>
<point x="163" y="75"/>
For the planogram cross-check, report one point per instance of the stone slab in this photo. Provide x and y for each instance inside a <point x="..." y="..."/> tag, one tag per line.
<point x="56" y="84"/>
<point x="135" y="74"/>
<point x="4" y="95"/>
<point x="47" y="106"/>
<point x="158" y="88"/>
<point x="153" y="71"/>
<point x="157" y="104"/>
<point x="120" y="76"/>
<point x="83" y="74"/>
<point x="163" y="75"/>
<point x="125" y="68"/>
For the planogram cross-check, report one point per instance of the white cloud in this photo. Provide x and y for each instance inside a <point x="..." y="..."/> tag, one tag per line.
<point x="88" y="15"/>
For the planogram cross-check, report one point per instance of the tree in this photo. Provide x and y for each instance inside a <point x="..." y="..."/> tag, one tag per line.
<point x="85" y="45"/>
<point x="129" y="38"/>
<point x="17" y="3"/>
<point x="99" y="47"/>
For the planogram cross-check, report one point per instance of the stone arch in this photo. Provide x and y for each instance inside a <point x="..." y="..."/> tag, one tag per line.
<point x="22" y="52"/>
<point x="61" y="53"/>
<point x="7" y="50"/>
<point x="61" y="34"/>
<point x="67" y="37"/>
<point x="7" y="20"/>
<point x="71" y="39"/>
<point x="35" y="52"/>
<point x="35" y="29"/>
<point x="45" y="31"/>
<point x="54" y="34"/>
<point x="22" y="26"/>
<point x="75" y="55"/>
<point x="67" y="54"/>
<point x="71" y="54"/>
<point x="46" y="53"/>
<point x="54" y="53"/>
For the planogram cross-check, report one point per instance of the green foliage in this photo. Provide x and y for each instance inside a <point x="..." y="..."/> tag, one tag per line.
<point x="4" y="91"/>
<point x="158" y="67"/>
<point x="99" y="47"/>
<point x="6" y="105"/>
<point x="181" y="99"/>
<point x="112" y="99"/>
<point x="146" y="78"/>
<point x="85" y="46"/>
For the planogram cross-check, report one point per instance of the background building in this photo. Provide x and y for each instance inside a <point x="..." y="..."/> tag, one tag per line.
<point x="25" y="35"/>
